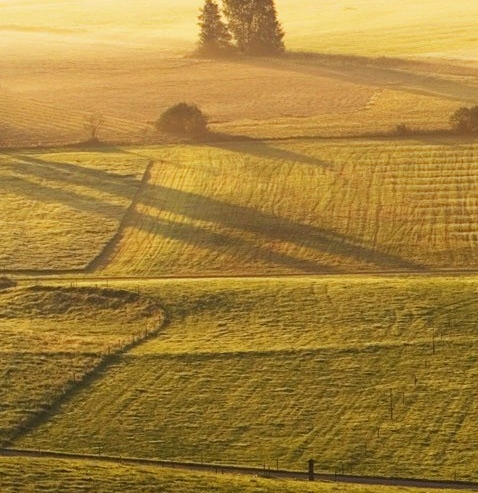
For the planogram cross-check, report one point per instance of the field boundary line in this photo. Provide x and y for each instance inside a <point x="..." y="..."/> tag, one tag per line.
<point x="242" y="470"/>
<point x="97" y="372"/>
<point x="101" y="260"/>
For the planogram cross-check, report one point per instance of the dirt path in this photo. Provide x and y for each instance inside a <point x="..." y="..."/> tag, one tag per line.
<point x="248" y="471"/>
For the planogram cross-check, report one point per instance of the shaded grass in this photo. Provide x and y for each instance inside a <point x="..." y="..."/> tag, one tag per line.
<point x="60" y="209"/>
<point x="369" y="375"/>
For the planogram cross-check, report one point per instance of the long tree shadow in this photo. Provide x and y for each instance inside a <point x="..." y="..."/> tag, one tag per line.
<point x="75" y="174"/>
<point x="247" y="252"/>
<point x="47" y="194"/>
<point x="260" y="148"/>
<point x="267" y="228"/>
<point x="366" y="70"/>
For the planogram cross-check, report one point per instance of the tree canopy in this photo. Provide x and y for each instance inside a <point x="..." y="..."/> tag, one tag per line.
<point x="465" y="120"/>
<point x="214" y="37"/>
<point x="251" y="24"/>
<point x="183" y="119"/>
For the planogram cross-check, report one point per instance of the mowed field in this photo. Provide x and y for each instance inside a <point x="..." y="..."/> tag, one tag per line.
<point x="130" y="64"/>
<point x="244" y="208"/>
<point x="60" y="209"/>
<point x="299" y="207"/>
<point x="367" y="375"/>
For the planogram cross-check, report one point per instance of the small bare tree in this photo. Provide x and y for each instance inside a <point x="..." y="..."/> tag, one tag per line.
<point x="93" y="124"/>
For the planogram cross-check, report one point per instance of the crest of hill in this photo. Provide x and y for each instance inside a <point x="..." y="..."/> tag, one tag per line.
<point x="46" y="302"/>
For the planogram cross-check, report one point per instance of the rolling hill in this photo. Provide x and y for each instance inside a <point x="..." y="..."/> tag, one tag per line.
<point x="367" y="375"/>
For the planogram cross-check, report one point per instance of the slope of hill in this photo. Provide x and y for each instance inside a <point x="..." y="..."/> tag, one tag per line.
<point x="258" y="208"/>
<point x="53" y="338"/>
<point x="59" y="210"/>
<point x="352" y="371"/>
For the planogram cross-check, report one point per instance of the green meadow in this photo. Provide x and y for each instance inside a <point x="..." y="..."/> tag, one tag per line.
<point x="301" y="283"/>
<point x="25" y="475"/>
<point x="56" y="338"/>
<point x="367" y="375"/>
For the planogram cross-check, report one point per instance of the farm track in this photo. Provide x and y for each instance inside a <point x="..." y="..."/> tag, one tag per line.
<point x="66" y="276"/>
<point x="247" y="471"/>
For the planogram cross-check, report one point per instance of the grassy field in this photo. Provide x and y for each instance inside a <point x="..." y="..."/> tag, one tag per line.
<point x="302" y="207"/>
<point x="368" y="375"/>
<point x="50" y="476"/>
<point x="52" y="338"/>
<point x="60" y="209"/>
<point x="293" y="97"/>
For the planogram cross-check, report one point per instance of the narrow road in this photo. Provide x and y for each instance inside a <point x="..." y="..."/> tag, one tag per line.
<point x="248" y="471"/>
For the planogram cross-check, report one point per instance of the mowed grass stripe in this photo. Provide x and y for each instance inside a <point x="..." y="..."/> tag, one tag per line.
<point x="373" y="375"/>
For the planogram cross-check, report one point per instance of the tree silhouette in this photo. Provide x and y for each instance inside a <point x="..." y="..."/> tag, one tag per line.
<point x="214" y="37"/>
<point x="183" y="119"/>
<point x="255" y="27"/>
<point x="465" y="120"/>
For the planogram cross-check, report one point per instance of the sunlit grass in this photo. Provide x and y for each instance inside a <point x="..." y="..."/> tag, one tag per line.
<point x="24" y="475"/>
<point x="303" y="207"/>
<point x="255" y="371"/>
<point x="59" y="210"/>
<point x="52" y="338"/>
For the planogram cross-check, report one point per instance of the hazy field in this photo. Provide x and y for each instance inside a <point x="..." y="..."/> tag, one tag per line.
<point x="378" y="27"/>
<point x="129" y="64"/>
<point x="255" y="371"/>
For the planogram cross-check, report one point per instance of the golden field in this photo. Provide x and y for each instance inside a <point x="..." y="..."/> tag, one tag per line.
<point x="261" y="344"/>
<point x="129" y="64"/>
<point x="54" y="339"/>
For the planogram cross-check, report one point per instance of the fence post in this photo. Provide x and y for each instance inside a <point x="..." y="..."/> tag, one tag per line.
<point x="311" y="470"/>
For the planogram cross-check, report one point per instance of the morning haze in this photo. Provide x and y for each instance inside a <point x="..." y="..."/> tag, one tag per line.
<point x="238" y="236"/>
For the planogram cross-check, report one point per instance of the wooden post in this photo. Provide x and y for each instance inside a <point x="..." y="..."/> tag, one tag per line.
<point x="391" y="404"/>
<point x="311" y="470"/>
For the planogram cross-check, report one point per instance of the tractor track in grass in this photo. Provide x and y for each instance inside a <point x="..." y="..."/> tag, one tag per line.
<point x="80" y="276"/>
<point x="245" y="471"/>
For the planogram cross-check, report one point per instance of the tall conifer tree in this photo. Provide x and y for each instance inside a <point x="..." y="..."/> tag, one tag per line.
<point x="254" y="26"/>
<point x="214" y="37"/>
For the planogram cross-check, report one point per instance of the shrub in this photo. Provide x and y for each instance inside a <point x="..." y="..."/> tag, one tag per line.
<point x="402" y="129"/>
<point x="183" y="118"/>
<point x="465" y="120"/>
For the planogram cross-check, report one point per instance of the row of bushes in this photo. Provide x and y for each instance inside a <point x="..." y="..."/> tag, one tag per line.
<point x="188" y="119"/>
